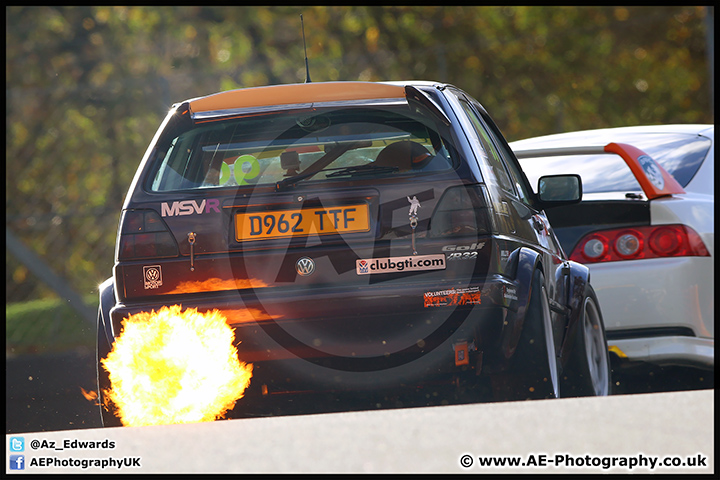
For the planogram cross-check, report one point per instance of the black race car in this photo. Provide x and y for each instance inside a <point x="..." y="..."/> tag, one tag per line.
<point x="358" y="236"/>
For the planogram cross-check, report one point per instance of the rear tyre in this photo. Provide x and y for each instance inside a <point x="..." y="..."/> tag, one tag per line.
<point x="102" y="350"/>
<point x="534" y="370"/>
<point x="588" y="370"/>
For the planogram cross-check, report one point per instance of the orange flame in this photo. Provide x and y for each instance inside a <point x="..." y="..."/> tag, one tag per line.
<point x="175" y="366"/>
<point x="89" y="395"/>
<point x="218" y="284"/>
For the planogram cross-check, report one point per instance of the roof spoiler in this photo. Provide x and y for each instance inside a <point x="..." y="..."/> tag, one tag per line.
<point x="654" y="180"/>
<point x="414" y="94"/>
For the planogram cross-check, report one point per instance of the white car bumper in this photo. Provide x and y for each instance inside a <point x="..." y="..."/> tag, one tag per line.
<point x="685" y="351"/>
<point x="656" y="293"/>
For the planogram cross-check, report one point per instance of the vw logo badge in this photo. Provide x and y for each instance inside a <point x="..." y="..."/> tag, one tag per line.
<point x="305" y="266"/>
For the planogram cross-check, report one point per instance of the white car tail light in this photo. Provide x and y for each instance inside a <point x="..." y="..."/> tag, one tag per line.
<point x="638" y="243"/>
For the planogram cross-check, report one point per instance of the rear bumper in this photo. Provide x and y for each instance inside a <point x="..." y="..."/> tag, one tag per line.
<point x="657" y="293"/>
<point x="663" y="351"/>
<point x="324" y="339"/>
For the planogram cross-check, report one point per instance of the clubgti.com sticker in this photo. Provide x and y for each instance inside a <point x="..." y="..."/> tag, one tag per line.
<point x="400" y="264"/>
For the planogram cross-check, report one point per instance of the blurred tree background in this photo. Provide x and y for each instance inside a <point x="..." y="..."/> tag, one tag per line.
<point x="86" y="88"/>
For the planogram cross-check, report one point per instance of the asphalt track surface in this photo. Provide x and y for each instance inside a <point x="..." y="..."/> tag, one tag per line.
<point x="44" y="400"/>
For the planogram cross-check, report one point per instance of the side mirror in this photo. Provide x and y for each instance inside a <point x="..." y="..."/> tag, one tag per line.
<point x="554" y="190"/>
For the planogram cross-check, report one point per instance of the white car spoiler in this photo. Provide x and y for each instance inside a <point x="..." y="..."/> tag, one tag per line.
<point x="652" y="177"/>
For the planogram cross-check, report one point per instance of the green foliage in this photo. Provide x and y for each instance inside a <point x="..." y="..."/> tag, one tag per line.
<point x="88" y="86"/>
<point x="46" y="325"/>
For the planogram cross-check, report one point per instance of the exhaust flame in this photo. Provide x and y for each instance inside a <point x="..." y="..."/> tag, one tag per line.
<point x="218" y="285"/>
<point x="89" y="395"/>
<point x="175" y="366"/>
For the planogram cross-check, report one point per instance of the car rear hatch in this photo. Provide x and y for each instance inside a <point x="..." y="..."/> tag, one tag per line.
<point x="332" y="228"/>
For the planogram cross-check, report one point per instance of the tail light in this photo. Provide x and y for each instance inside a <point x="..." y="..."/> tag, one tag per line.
<point x="461" y="211"/>
<point x="143" y="234"/>
<point x="639" y="242"/>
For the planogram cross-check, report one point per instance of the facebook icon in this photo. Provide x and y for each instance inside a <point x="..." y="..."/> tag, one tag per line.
<point x="17" y="462"/>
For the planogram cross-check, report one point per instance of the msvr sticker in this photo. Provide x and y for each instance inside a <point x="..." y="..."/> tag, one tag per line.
<point x="189" y="207"/>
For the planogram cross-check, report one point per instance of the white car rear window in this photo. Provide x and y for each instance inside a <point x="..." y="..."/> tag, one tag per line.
<point x="680" y="154"/>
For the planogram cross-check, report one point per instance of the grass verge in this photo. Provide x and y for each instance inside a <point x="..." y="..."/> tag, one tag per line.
<point x="45" y="326"/>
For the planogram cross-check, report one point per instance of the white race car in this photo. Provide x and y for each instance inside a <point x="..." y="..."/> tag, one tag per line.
<point x="645" y="228"/>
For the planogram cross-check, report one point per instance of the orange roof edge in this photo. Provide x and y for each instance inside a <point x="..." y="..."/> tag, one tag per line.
<point x="294" y="94"/>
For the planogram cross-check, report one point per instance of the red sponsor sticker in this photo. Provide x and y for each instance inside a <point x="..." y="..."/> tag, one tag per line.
<point x="454" y="296"/>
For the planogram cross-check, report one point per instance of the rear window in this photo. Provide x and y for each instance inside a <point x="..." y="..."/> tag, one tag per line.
<point x="339" y="144"/>
<point x="680" y="154"/>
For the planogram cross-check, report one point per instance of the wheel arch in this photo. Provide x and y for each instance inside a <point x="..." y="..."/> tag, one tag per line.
<point x="105" y="341"/>
<point x="107" y="301"/>
<point x="578" y="280"/>
<point x="522" y="264"/>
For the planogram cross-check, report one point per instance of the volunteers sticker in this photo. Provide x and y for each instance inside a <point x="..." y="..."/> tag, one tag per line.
<point x="453" y="296"/>
<point x="399" y="264"/>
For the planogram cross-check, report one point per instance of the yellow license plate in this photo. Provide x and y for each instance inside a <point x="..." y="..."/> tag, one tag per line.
<point x="302" y="222"/>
